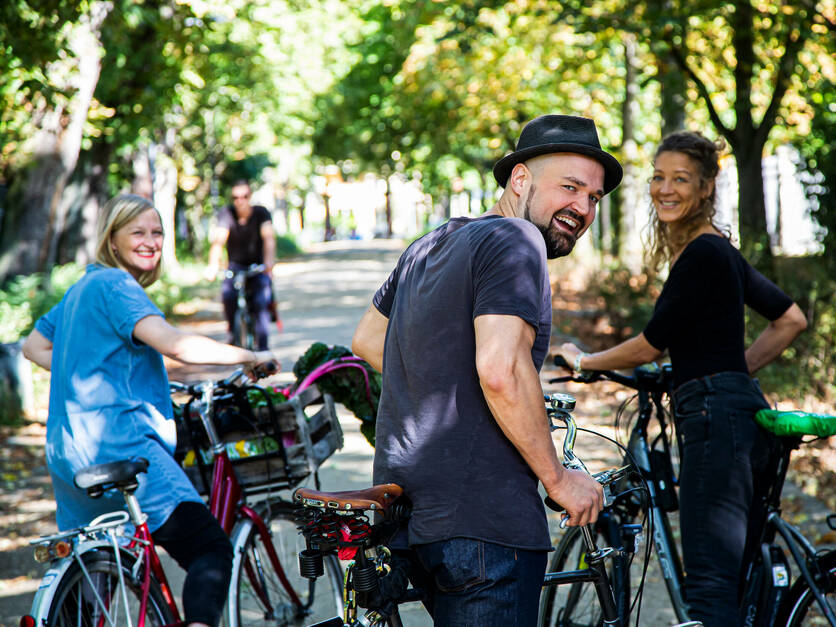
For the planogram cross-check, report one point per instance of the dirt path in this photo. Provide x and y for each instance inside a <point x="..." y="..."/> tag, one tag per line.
<point x="322" y="296"/>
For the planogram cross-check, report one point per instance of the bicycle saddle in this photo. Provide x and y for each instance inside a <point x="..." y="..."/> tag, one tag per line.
<point x="122" y="475"/>
<point x="376" y="498"/>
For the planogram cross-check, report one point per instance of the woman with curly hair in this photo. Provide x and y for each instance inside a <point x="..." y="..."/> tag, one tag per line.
<point x="699" y="319"/>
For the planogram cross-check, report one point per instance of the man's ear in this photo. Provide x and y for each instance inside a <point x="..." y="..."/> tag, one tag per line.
<point x="519" y="175"/>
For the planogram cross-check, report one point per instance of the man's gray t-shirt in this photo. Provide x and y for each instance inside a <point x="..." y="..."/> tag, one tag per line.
<point x="436" y="436"/>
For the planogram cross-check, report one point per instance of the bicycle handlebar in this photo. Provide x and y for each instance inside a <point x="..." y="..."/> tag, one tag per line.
<point x="250" y="271"/>
<point x="197" y="389"/>
<point x="558" y="408"/>
<point x="648" y="377"/>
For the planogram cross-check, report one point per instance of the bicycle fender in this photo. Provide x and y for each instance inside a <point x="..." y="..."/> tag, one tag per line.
<point x="48" y="586"/>
<point x="239" y="536"/>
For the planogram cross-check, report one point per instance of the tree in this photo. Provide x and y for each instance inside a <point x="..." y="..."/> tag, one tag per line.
<point x="61" y="111"/>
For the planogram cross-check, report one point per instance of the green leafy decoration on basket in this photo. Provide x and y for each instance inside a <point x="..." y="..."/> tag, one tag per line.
<point x="257" y="399"/>
<point x="349" y="379"/>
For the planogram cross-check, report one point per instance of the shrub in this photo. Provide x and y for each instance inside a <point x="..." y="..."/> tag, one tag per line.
<point x="286" y="246"/>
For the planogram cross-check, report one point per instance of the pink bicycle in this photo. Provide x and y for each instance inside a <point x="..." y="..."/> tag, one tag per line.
<point x="109" y="573"/>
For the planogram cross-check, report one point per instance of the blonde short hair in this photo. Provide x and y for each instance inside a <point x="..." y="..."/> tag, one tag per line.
<point x="116" y="213"/>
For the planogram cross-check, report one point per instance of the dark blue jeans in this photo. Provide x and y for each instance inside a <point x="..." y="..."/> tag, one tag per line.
<point x="724" y="458"/>
<point x="471" y="582"/>
<point x="261" y="290"/>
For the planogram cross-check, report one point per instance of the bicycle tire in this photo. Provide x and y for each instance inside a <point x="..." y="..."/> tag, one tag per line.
<point x="575" y="604"/>
<point x="242" y="330"/>
<point x="75" y="603"/>
<point x="249" y="610"/>
<point x="799" y="608"/>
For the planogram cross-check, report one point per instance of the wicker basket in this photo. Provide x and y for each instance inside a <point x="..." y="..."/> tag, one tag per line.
<point x="268" y="451"/>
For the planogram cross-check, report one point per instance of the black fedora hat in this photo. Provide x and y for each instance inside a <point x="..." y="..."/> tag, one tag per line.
<point x="559" y="133"/>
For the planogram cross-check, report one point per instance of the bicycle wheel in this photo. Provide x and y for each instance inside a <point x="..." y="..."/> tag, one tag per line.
<point x="91" y="595"/>
<point x="799" y="608"/>
<point x="242" y="330"/>
<point x="257" y="594"/>
<point x="575" y="604"/>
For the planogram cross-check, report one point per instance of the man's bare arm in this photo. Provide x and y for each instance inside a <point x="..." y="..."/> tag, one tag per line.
<point x="512" y="390"/>
<point x="268" y="238"/>
<point x="370" y="336"/>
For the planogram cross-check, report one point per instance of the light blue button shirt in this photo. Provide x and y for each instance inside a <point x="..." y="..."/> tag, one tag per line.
<point x="108" y="399"/>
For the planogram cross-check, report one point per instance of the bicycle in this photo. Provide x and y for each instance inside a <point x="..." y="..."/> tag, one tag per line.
<point x="768" y="598"/>
<point x="243" y="325"/>
<point x="377" y="579"/>
<point x="129" y="575"/>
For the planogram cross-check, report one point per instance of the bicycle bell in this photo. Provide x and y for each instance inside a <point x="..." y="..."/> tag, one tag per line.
<point x="563" y="401"/>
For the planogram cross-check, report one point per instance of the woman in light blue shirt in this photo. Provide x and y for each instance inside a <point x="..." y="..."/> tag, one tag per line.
<point x="109" y="398"/>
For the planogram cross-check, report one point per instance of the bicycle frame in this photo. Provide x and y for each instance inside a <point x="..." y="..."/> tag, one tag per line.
<point x="227" y="506"/>
<point x="596" y="574"/>
<point x="663" y="539"/>
<point x="755" y="603"/>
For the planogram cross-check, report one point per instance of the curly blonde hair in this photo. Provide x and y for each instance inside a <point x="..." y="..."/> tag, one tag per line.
<point x="665" y="240"/>
<point x="116" y="213"/>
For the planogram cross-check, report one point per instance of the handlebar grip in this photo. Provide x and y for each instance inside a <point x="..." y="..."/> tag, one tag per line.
<point x="266" y="369"/>
<point x="553" y="505"/>
<point x="561" y="363"/>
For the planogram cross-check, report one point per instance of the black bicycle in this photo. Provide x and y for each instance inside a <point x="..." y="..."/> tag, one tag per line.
<point x="650" y="497"/>
<point x="243" y="325"/>
<point x="376" y="580"/>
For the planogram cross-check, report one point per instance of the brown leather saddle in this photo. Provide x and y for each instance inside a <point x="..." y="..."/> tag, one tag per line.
<point x="377" y="498"/>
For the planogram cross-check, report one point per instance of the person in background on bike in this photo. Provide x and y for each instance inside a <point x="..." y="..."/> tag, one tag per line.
<point x="460" y="330"/>
<point x="698" y="318"/>
<point x="109" y="398"/>
<point x="247" y="232"/>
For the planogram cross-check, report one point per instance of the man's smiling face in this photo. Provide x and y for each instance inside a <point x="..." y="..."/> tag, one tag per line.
<point x="562" y="197"/>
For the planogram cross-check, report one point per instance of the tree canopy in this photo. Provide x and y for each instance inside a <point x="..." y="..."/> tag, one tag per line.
<point x="106" y="95"/>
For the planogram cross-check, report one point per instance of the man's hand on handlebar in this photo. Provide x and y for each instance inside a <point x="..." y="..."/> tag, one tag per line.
<point x="580" y="495"/>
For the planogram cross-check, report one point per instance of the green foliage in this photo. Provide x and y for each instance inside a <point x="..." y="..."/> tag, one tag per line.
<point x="26" y="298"/>
<point x="286" y="246"/>
<point x="628" y="298"/>
<point x="346" y="385"/>
<point x="819" y="150"/>
<point x="808" y="366"/>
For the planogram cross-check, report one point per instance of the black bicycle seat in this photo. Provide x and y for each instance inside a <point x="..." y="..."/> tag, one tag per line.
<point x="122" y="475"/>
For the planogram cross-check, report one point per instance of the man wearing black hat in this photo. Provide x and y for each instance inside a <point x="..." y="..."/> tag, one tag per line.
<point x="460" y="330"/>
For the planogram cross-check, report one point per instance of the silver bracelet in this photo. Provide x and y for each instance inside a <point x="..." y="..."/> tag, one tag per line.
<point x="577" y="365"/>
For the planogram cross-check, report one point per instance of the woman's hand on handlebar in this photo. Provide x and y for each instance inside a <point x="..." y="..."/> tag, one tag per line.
<point x="580" y="495"/>
<point x="569" y="352"/>
<point x="264" y="364"/>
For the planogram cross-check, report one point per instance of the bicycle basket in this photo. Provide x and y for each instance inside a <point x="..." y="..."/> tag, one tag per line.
<point x="273" y="446"/>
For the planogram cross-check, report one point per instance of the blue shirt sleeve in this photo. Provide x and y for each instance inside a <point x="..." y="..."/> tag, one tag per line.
<point x="127" y="304"/>
<point x="46" y="324"/>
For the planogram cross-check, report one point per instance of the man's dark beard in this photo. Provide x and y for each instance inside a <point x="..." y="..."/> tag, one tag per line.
<point x="558" y="243"/>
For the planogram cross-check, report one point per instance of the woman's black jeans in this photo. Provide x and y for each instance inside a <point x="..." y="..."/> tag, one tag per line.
<point x="196" y="541"/>
<point x="724" y="457"/>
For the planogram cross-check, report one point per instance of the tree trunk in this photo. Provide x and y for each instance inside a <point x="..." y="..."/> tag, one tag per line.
<point x="672" y="91"/>
<point x="751" y="206"/>
<point x="165" y="200"/>
<point x="38" y="222"/>
<point x="84" y="195"/>
<point x="628" y="211"/>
